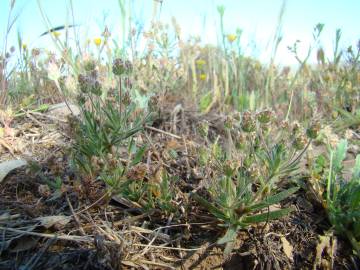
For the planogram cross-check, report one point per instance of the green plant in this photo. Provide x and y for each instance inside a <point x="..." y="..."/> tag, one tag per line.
<point x="103" y="131"/>
<point x="341" y="197"/>
<point x="316" y="35"/>
<point x="105" y="145"/>
<point x="347" y="120"/>
<point x="5" y="70"/>
<point x="237" y="206"/>
<point x="251" y="170"/>
<point x="107" y="126"/>
<point x="147" y="194"/>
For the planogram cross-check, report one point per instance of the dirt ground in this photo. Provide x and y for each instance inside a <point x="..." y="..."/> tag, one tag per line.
<point x="80" y="227"/>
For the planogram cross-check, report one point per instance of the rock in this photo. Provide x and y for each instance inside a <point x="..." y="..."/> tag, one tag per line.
<point x="61" y="110"/>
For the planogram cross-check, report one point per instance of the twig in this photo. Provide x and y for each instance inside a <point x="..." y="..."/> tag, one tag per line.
<point x="132" y="219"/>
<point x="163" y="132"/>
<point x="74" y="238"/>
<point x="147" y="247"/>
<point x="188" y="168"/>
<point x="75" y="216"/>
<point x="169" y="248"/>
<point x="36" y="257"/>
<point x="28" y="115"/>
<point x="93" y="204"/>
<point x="3" y="143"/>
<point x="162" y="265"/>
<point x="89" y="239"/>
<point x="9" y="217"/>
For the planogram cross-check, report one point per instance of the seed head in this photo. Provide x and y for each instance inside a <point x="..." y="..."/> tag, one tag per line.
<point x="248" y="123"/>
<point x="126" y="99"/>
<point x="295" y="128"/>
<point x="121" y="67"/>
<point x="313" y="131"/>
<point x="89" y="65"/>
<point x="300" y="142"/>
<point x="204" y="129"/>
<point x="265" y="116"/>
<point x="240" y="140"/>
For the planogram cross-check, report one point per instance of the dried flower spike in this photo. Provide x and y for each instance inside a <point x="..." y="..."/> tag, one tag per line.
<point x="265" y="116"/>
<point x="248" y="123"/>
<point x="121" y="67"/>
<point x="313" y="131"/>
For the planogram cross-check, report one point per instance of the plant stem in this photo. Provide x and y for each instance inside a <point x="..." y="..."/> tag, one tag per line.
<point x="120" y="96"/>
<point x="353" y="242"/>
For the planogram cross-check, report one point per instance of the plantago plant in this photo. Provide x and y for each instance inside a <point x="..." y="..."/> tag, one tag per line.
<point x="340" y="197"/>
<point x="105" y="128"/>
<point x="237" y="206"/>
<point x="249" y="180"/>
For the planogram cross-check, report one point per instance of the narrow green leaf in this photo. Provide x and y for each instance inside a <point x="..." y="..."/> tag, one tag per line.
<point x="356" y="169"/>
<point x="274" y="199"/>
<point x="267" y="216"/>
<point x="339" y="155"/>
<point x="138" y="155"/>
<point x="214" y="210"/>
<point x="205" y="101"/>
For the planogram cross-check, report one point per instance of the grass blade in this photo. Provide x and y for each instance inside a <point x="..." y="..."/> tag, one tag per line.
<point x="267" y="216"/>
<point x="274" y="199"/>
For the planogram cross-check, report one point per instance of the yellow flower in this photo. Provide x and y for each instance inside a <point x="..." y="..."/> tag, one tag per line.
<point x="200" y="62"/>
<point x="24" y="46"/>
<point x="56" y="34"/>
<point x="97" y="41"/>
<point x="231" y="38"/>
<point x="202" y="76"/>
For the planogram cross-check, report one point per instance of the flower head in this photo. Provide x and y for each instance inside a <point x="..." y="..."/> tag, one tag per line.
<point x="248" y="123"/>
<point x="200" y="63"/>
<point x="313" y="131"/>
<point x="97" y="41"/>
<point x="231" y="38"/>
<point x="265" y="116"/>
<point x="56" y="34"/>
<point x="121" y="67"/>
<point x="202" y="76"/>
<point x="300" y="142"/>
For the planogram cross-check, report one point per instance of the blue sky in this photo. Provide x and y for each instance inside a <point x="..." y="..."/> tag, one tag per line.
<point x="257" y="18"/>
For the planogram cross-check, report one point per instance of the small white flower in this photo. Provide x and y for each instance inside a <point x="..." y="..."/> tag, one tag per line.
<point x="327" y="131"/>
<point x="348" y="134"/>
